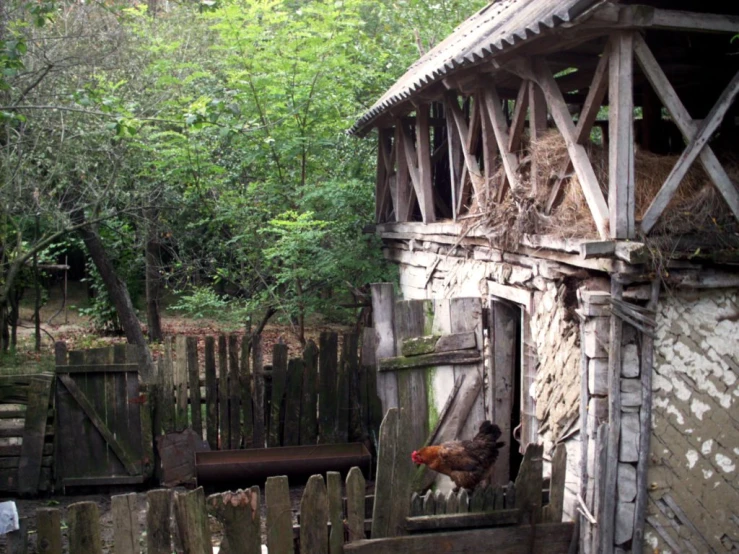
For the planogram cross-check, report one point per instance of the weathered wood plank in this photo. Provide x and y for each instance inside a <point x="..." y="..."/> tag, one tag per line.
<point x="529" y="484"/>
<point x="245" y="384"/>
<point x="459" y="357"/>
<point x="403" y="188"/>
<point x="234" y="391"/>
<point x="424" y="191"/>
<point x="99" y="368"/>
<point x="279" y="384"/>
<point x="550" y="538"/>
<point x="166" y="402"/>
<point x="293" y="400"/>
<point x="17" y="541"/>
<point x="308" y="413"/>
<point x="223" y="413"/>
<point x="557" y="484"/>
<point x="158" y="518"/>
<point x="258" y="390"/>
<point x="49" y="531"/>
<point x="336" y="535"/>
<point x="494" y="111"/>
<point x="429" y="503"/>
<point x="384" y="169"/>
<point x="193" y="373"/>
<point x="180" y="381"/>
<point x="537" y="129"/>
<point x="343" y="408"/>
<point x="314" y="515"/>
<point x="621" y="136"/>
<point x="125" y="524"/>
<point x="453" y="521"/>
<point x="279" y="515"/>
<point x="328" y="403"/>
<point x="355" y="504"/>
<point x="211" y="393"/>
<point x="83" y="521"/>
<point x="239" y="512"/>
<point x="29" y="468"/>
<point x="387" y="451"/>
<point x="383" y="311"/>
<point x="192" y="522"/>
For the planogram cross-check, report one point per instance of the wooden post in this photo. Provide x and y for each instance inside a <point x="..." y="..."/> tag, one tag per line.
<point x="246" y="380"/>
<point x="621" y="200"/>
<point x="645" y="431"/>
<point x="614" y="426"/>
<point x="192" y="522"/>
<point x="585" y="437"/>
<point x="424" y="192"/>
<point x="343" y="407"/>
<point x="313" y="517"/>
<point x="193" y="372"/>
<point x="18" y="540"/>
<point x="258" y="381"/>
<point x="357" y="397"/>
<point x="211" y="393"/>
<point x="308" y="412"/>
<point x="223" y="413"/>
<point x="529" y="484"/>
<point x="166" y="404"/>
<point x="328" y="347"/>
<point x="239" y="513"/>
<point x="383" y="311"/>
<point x="557" y="484"/>
<point x="355" y="504"/>
<point x="384" y="481"/>
<point x="49" y="531"/>
<point x="381" y="178"/>
<point x="333" y="489"/>
<point x="537" y="128"/>
<point x="403" y="205"/>
<point x="234" y="391"/>
<point x="293" y="401"/>
<point x="180" y="381"/>
<point x="158" y="516"/>
<point x="279" y="515"/>
<point x="125" y="524"/>
<point x="83" y="520"/>
<point x="279" y="383"/>
<point x="34" y="430"/>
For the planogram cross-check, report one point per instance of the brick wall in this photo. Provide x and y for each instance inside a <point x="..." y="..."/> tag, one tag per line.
<point x="693" y="474"/>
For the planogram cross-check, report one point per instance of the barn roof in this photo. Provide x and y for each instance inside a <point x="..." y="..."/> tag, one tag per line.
<point x="495" y="28"/>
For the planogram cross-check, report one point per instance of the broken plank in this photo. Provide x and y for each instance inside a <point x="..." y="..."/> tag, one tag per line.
<point x="456" y="357"/>
<point x="462" y="521"/>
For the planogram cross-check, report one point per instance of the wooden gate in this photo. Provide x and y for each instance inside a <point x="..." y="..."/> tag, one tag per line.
<point x="98" y="413"/>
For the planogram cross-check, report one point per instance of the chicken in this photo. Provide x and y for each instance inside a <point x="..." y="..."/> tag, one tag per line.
<point x="466" y="462"/>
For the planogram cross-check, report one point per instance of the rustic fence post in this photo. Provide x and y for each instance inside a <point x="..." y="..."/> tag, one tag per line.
<point x="355" y="504"/>
<point x="223" y="418"/>
<point x="557" y="484"/>
<point x="166" y="391"/>
<point x="125" y="524"/>
<point x="314" y="517"/>
<point x="246" y="381"/>
<point x="293" y="400"/>
<point x="308" y="413"/>
<point x="158" y="517"/>
<point x="239" y="513"/>
<point x="18" y="540"/>
<point x="336" y="536"/>
<point x="529" y="484"/>
<point x="211" y="393"/>
<point x="234" y="390"/>
<point x="180" y="381"/>
<point x="193" y="372"/>
<point x="279" y="516"/>
<point x="83" y="519"/>
<point x="258" y="396"/>
<point x="328" y="349"/>
<point x="345" y="373"/>
<point x="29" y="468"/>
<point x="49" y="531"/>
<point x="192" y="522"/>
<point x="354" y="407"/>
<point x="279" y="381"/>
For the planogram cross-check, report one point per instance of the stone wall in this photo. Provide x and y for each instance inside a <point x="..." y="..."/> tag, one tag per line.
<point x="693" y="476"/>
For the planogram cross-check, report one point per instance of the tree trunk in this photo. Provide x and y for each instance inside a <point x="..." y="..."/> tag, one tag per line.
<point x="118" y="293"/>
<point x="153" y="279"/>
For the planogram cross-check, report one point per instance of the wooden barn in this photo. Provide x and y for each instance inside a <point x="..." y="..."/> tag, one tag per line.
<point x="558" y="182"/>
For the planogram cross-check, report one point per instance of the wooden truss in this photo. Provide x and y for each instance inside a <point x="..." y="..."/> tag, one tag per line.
<point x="480" y="139"/>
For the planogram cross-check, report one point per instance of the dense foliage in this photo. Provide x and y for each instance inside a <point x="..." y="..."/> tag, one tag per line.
<point x="210" y="136"/>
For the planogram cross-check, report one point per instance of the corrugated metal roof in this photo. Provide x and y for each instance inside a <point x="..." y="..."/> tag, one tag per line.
<point x="493" y="29"/>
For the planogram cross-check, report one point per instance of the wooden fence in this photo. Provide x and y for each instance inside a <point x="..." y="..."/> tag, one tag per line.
<point x="26" y="433"/>
<point x="325" y="394"/>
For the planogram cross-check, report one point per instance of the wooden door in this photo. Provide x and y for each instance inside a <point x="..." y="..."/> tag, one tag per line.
<point x="98" y="415"/>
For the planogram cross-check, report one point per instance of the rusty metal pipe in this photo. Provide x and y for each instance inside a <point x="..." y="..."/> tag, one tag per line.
<point x="241" y="468"/>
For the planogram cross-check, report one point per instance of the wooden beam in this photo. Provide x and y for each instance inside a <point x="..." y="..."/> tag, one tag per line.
<point x="578" y="155"/>
<point x="519" y="296"/>
<point x="425" y="192"/>
<point x="465" y="133"/>
<point x="621" y="129"/>
<point x="685" y="123"/>
<point x="518" y="121"/>
<point x="385" y="167"/>
<point x="454" y="145"/>
<point x="640" y="16"/>
<point x="448" y="522"/>
<point x="489" y="150"/>
<point x="500" y="129"/>
<point x="455" y="357"/>
<point x="695" y="146"/>
<point x="403" y="204"/>
<point x="537" y="129"/>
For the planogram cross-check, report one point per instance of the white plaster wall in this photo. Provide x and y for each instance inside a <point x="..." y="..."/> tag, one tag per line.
<point x="695" y="437"/>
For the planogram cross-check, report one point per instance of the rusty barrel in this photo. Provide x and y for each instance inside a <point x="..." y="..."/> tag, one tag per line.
<point x="241" y="468"/>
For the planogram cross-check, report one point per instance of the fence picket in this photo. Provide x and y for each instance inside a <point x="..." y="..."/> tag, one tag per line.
<point x="166" y="403"/>
<point x="180" y="382"/>
<point x="308" y="416"/>
<point x="440" y="503"/>
<point x="223" y="414"/>
<point x="211" y="393"/>
<point x="125" y="524"/>
<point x="279" y="516"/>
<point x="246" y="398"/>
<point x="49" y="531"/>
<point x="83" y="520"/>
<point x="192" y="522"/>
<point x="193" y="372"/>
<point x="313" y="517"/>
<point x="464" y="502"/>
<point x="234" y="391"/>
<point x="158" y="522"/>
<point x="346" y="421"/>
<point x="355" y="504"/>
<point x="258" y="390"/>
<point x="327" y="391"/>
<point x="452" y="503"/>
<point x="477" y="501"/>
<point x="429" y="503"/>
<point x="336" y="536"/>
<point x="293" y="400"/>
<point x="239" y="512"/>
<point x="279" y="382"/>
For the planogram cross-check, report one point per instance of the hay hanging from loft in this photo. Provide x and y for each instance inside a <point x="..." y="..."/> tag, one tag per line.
<point x="696" y="208"/>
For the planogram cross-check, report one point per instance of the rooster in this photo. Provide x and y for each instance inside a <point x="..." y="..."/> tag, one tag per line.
<point x="466" y="462"/>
